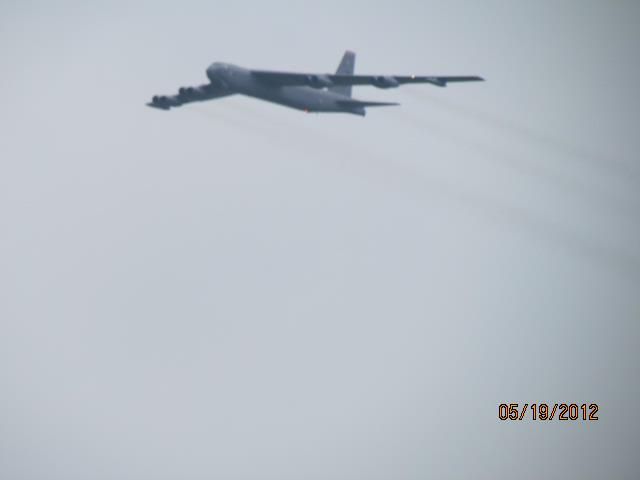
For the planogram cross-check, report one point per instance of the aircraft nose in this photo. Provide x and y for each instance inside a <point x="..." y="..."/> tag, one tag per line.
<point x="218" y="74"/>
<point x="212" y="71"/>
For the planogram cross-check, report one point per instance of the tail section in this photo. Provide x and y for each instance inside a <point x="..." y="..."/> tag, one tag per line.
<point x="346" y="67"/>
<point x="347" y="64"/>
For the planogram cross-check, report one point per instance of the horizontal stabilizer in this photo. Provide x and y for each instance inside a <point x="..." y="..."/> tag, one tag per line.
<point x="362" y="103"/>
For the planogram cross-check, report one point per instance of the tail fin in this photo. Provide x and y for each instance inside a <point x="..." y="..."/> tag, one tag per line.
<point x="346" y="67"/>
<point x="347" y="64"/>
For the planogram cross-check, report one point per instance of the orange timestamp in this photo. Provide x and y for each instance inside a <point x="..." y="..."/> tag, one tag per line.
<point x="547" y="411"/>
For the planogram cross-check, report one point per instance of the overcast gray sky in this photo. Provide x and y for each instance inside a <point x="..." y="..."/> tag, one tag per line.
<point x="236" y="290"/>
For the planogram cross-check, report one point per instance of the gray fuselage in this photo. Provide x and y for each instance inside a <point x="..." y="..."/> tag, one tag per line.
<point x="240" y="80"/>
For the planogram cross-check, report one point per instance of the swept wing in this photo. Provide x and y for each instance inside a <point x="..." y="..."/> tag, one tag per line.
<point x="381" y="81"/>
<point x="188" y="95"/>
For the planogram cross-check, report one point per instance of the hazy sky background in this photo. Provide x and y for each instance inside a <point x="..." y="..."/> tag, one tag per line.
<point x="235" y="290"/>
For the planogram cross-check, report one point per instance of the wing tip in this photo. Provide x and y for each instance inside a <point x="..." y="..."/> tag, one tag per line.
<point x="159" y="107"/>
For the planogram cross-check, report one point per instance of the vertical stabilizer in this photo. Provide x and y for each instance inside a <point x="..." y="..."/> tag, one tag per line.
<point x="346" y="67"/>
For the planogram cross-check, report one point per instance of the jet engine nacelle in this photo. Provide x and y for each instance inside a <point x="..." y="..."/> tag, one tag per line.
<point x="161" y="101"/>
<point x="186" y="91"/>
<point x="385" y="82"/>
<point x="318" y="81"/>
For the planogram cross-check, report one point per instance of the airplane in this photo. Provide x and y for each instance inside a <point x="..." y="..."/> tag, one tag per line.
<point x="309" y="92"/>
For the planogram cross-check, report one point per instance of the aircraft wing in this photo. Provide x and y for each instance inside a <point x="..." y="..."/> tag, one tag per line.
<point x="188" y="95"/>
<point x="320" y="80"/>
